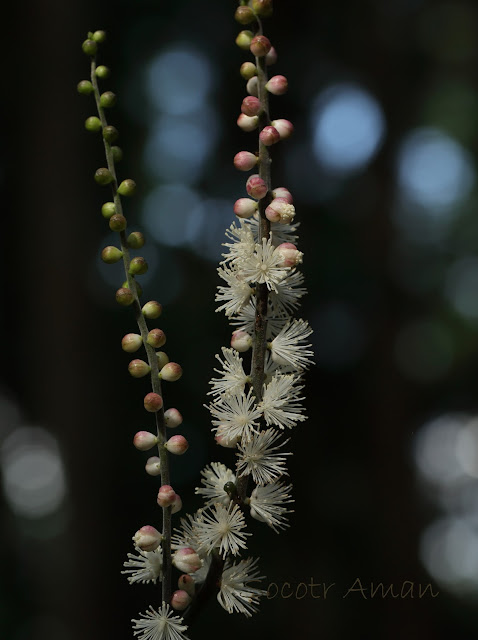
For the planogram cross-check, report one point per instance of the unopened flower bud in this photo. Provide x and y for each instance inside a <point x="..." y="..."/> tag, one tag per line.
<point x="127" y="187"/>
<point x="131" y="342"/>
<point x="277" y="85"/>
<point x="93" y="123"/>
<point x="117" y="154"/>
<point x="226" y="441"/>
<point x="177" y="504"/>
<point x="252" y="86"/>
<point x="117" y="222"/>
<point x="102" y="72"/>
<point x="256" y="187"/>
<point x="290" y="255"/>
<point x="262" y="8"/>
<point x="103" y="176"/>
<point x="269" y="136"/>
<point x="186" y="560"/>
<point x="147" y="538"/>
<point x="152" y="402"/>
<point x="284" y="127"/>
<point x="244" y="39"/>
<point x="177" y="445"/>
<point x="241" y="341"/>
<point x="139" y="289"/>
<point x="85" y="87"/>
<point x="153" y="466"/>
<point x="282" y="192"/>
<point x="138" y="368"/>
<point x="251" y="106"/>
<point x="163" y="359"/>
<point x="144" y="440"/>
<point x="171" y="372"/>
<point x="108" y="99"/>
<point x="166" y="495"/>
<point x="187" y="583"/>
<point x="89" y="47"/>
<point x="172" y="418"/>
<point x="245" y="207"/>
<point x="152" y="310"/>
<point x="99" y="36"/>
<point x="244" y="15"/>
<point x="271" y="57"/>
<point x="108" y="209"/>
<point x="110" y="134"/>
<point x="110" y="255"/>
<point x="156" y="338"/>
<point x="135" y="240"/>
<point x="181" y="600"/>
<point x="260" y="46"/>
<point x="281" y="211"/>
<point x="124" y="296"/>
<point x="245" y="161"/>
<point x="138" y="266"/>
<point x="248" y="70"/>
<point x="247" y="123"/>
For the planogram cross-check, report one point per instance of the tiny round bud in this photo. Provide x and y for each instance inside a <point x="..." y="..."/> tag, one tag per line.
<point x="231" y="489"/>
<point x="260" y="46"/>
<point x="271" y="57"/>
<point x="117" y="154"/>
<point x="103" y="176"/>
<point x="136" y="240"/>
<point x="166" y="495"/>
<point x="280" y="210"/>
<point x="171" y="372"/>
<point x="110" y="134"/>
<point x="241" y="341"/>
<point x="89" y="47"/>
<point x="85" y="87"/>
<point x="147" y="538"/>
<point x="251" y="106"/>
<point x="186" y="560"/>
<point x="262" y="8"/>
<point x="187" y="583"/>
<point x="102" y="72"/>
<point x="131" y="342"/>
<point x="139" y="368"/>
<point x="244" y="15"/>
<point x="290" y="255"/>
<point x="244" y="39"/>
<point x="138" y="266"/>
<point x="153" y="466"/>
<point x="93" y="123"/>
<point x="156" y="338"/>
<point x="139" y="288"/>
<point x="163" y="359"/>
<point x="248" y="70"/>
<point x="152" y="402"/>
<point x="245" y="161"/>
<point x="282" y="192"/>
<point x="180" y="599"/>
<point x="247" y="123"/>
<point x="256" y="187"/>
<point x="269" y="136"/>
<point x="226" y="441"/>
<point x="284" y="127"/>
<point x="172" y="418"/>
<point x="117" y="222"/>
<point x="108" y="210"/>
<point x="124" y="296"/>
<point x="177" y="445"/>
<point x="144" y="440"/>
<point x="152" y="310"/>
<point x="177" y="504"/>
<point x="110" y="255"/>
<point x="252" y="86"/>
<point x="277" y="85"/>
<point x="107" y="99"/>
<point x="245" y="207"/>
<point x="99" y="36"/>
<point x="127" y="187"/>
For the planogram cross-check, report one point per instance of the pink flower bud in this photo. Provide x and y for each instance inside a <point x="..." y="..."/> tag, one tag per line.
<point x="153" y="402"/>
<point x="241" y="341"/>
<point x="256" y="187"/>
<point x="180" y="600"/>
<point x="290" y="255"/>
<point x="251" y="106"/>
<point x="147" y="538"/>
<point x="269" y="135"/>
<point x="166" y="495"/>
<point x="248" y="70"/>
<point x="225" y="441"/>
<point x="247" y="123"/>
<point x="172" y="418"/>
<point x="131" y="342"/>
<point x="245" y="161"/>
<point x="187" y="583"/>
<point x="138" y="368"/>
<point x="163" y="359"/>
<point x="171" y="372"/>
<point x="277" y="85"/>
<point x="245" y="207"/>
<point x="271" y="57"/>
<point x="284" y="127"/>
<point x="260" y="46"/>
<point x="282" y="192"/>
<point x="156" y="338"/>
<point x="144" y="440"/>
<point x="153" y="466"/>
<point x="281" y="211"/>
<point x="186" y="560"/>
<point x="152" y="310"/>
<point x="177" y="445"/>
<point x="252" y="86"/>
<point x="177" y="504"/>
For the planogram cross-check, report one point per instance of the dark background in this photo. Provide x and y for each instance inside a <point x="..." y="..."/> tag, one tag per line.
<point x="385" y="468"/>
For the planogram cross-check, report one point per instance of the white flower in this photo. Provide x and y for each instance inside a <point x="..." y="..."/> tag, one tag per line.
<point x="159" y="625"/>
<point x="242" y="243"/>
<point x="236" y="294"/>
<point x="288" y="293"/>
<point x="235" y="593"/>
<point x="215" y="476"/>
<point x="287" y="348"/>
<point x="233" y="378"/>
<point x="144" y="567"/>
<point x="261" y="457"/>
<point x="246" y="320"/>
<point x="280" y="232"/>
<point x="220" y="526"/>
<point x="263" y="266"/>
<point x="235" y="417"/>
<point x="266" y="504"/>
<point x="280" y="401"/>
<point x="186" y="536"/>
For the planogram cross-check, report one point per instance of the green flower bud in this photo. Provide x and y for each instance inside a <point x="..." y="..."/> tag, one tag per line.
<point x="135" y="240"/>
<point x="152" y="310"/>
<point x="85" y="87"/>
<point x="248" y="70"/>
<point x="139" y="288"/>
<point x="102" y="72"/>
<point x="156" y="338"/>
<point x="124" y="297"/>
<point x="131" y="342"/>
<point x="117" y="222"/>
<point x="163" y="359"/>
<point x="89" y="47"/>
<point x="107" y="99"/>
<point x="108" y="209"/>
<point x="127" y="187"/>
<point x="93" y="123"/>
<point x="230" y="489"/>
<point x="99" y="36"/>
<point x="103" y="176"/>
<point x="110" y="255"/>
<point x="262" y="8"/>
<point x="138" y="368"/>
<point x="110" y="134"/>
<point x="244" y="15"/>
<point x="117" y="154"/>
<point x="244" y="39"/>
<point x="138" y="266"/>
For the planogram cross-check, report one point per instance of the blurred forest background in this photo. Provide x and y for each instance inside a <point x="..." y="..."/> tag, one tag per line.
<point x="383" y="168"/>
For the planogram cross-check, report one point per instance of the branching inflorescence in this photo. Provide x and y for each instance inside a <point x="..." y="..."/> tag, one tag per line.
<point x="257" y="393"/>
